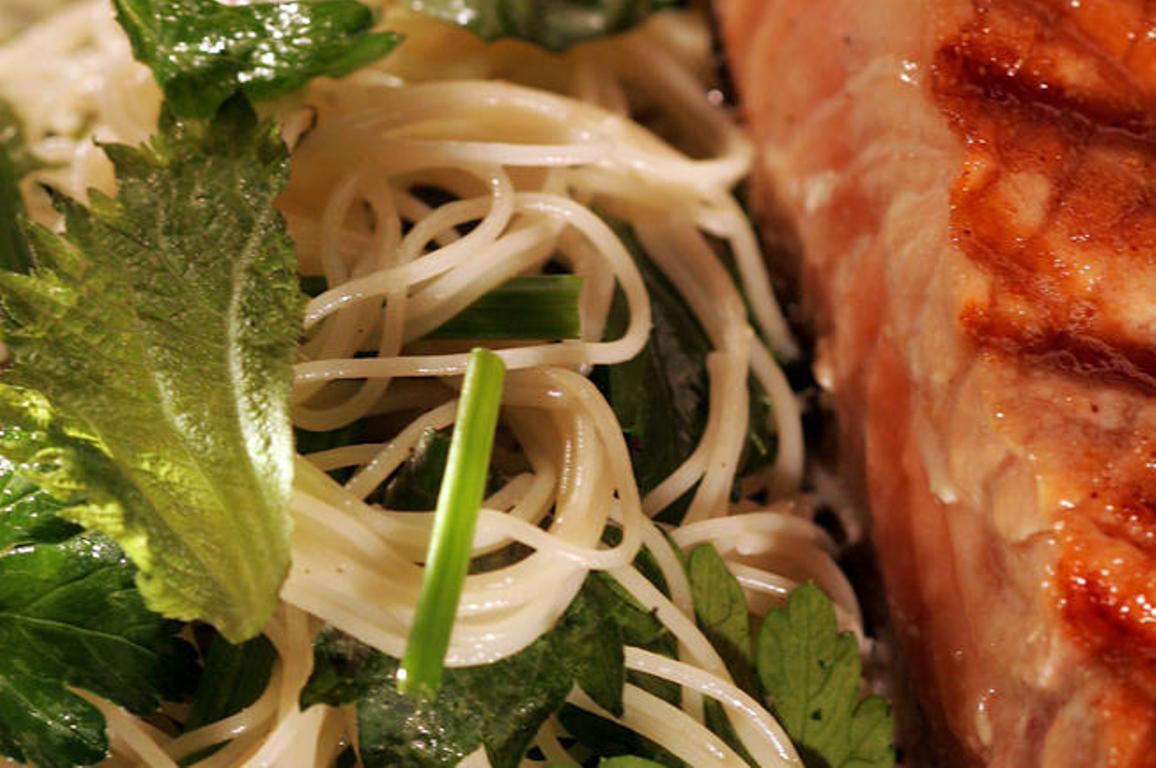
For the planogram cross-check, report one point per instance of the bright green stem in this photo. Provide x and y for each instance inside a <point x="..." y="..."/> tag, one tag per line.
<point x="459" y="502"/>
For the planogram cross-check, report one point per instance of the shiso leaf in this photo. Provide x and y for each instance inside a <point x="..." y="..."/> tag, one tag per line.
<point x="153" y="341"/>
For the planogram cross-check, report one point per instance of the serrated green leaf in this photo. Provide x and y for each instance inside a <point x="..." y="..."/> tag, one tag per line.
<point x="202" y="52"/>
<point x="553" y="24"/>
<point x="161" y="328"/>
<point x="71" y="617"/>
<point x="872" y="735"/>
<point x="721" y="610"/>
<point x="811" y="673"/>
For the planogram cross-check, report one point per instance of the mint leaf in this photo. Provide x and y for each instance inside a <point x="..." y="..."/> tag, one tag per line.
<point x="414" y="486"/>
<point x="662" y="396"/>
<point x="591" y="636"/>
<point x="811" y="673"/>
<point x="161" y="328"/>
<point x="500" y="705"/>
<point x="553" y="24"/>
<point x="202" y="52"/>
<point x="70" y="616"/>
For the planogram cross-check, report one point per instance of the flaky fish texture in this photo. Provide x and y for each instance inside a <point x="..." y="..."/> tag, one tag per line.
<point x="974" y="185"/>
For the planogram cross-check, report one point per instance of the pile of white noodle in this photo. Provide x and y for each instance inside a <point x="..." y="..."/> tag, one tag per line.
<point x="525" y="166"/>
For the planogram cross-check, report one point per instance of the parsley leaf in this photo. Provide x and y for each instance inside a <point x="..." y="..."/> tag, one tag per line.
<point x="202" y="52"/>
<point x="811" y="672"/>
<point x="553" y="24"/>
<point x="161" y="329"/>
<point x="70" y="616"/>
<point x="500" y="705"/>
<point x="721" y="608"/>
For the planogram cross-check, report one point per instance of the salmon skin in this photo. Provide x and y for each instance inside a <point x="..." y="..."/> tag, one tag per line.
<point x="974" y="185"/>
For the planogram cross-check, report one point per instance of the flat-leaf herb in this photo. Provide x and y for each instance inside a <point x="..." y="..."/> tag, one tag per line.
<point x="811" y="673"/>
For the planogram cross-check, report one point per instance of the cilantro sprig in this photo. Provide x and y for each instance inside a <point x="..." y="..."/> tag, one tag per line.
<point x="807" y="670"/>
<point x="812" y="675"/>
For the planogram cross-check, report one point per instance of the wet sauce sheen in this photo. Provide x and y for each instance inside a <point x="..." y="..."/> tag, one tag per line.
<point x="1056" y="202"/>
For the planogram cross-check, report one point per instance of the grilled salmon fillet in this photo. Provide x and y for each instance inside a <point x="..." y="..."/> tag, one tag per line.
<point x="974" y="185"/>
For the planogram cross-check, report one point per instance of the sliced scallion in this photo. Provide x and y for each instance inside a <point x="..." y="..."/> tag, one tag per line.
<point x="543" y="307"/>
<point x="459" y="501"/>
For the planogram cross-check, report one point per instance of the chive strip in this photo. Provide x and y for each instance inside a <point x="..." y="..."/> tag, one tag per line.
<point x="541" y="307"/>
<point x="459" y="501"/>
